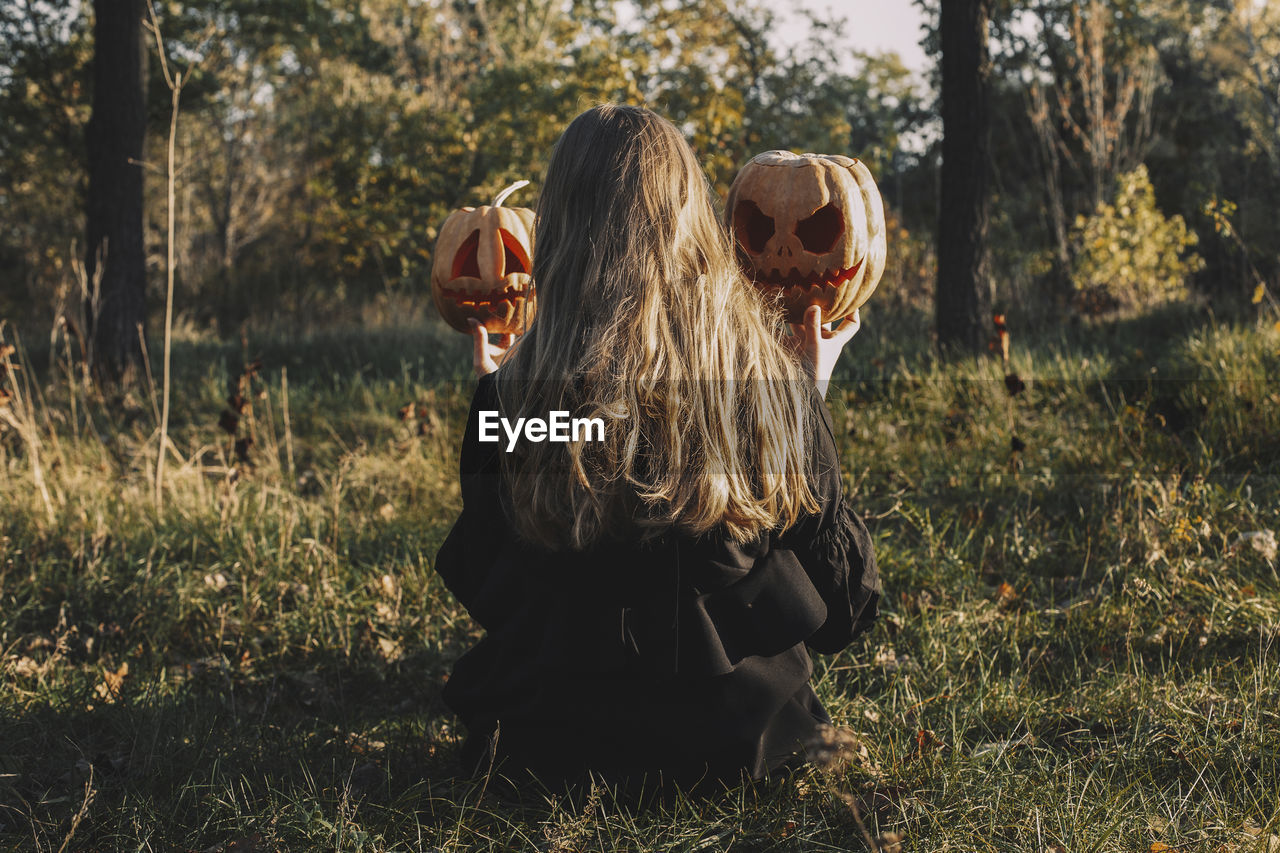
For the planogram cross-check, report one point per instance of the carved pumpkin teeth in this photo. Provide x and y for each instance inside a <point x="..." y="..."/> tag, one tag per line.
<point x="511" y="295"/>
<point x="795" y="279"/>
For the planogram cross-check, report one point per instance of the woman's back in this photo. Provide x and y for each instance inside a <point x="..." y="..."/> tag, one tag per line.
<point x="648" y="594"/>
<point x="680" y="656"/>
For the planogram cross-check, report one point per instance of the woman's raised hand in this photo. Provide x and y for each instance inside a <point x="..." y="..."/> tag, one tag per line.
<point x="820" y="348"/>
<point x="485" y="357"/>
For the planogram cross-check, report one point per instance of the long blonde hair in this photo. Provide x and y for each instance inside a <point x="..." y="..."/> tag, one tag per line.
<point x="646" y="321"/>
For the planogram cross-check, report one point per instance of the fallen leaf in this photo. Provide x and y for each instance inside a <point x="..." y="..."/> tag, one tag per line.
<point x="109" y="689"/>
<point x="889" y="842"/>
<point x="927" y="742"/>
<point x="390" y="649"/>
<point x="1252" y="839"/>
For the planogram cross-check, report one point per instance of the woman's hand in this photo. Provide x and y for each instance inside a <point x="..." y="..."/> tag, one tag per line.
<point x="485" y="357"/>
<point x="820" y="348"/>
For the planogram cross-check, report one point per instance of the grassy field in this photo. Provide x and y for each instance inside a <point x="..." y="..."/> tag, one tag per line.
<point x="1080" y="647"/>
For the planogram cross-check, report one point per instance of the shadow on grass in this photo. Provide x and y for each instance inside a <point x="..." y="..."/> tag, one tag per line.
<point x="207" y="751"/>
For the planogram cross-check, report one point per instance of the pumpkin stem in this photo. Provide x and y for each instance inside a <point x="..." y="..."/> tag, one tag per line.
<point x="502" y="196"/>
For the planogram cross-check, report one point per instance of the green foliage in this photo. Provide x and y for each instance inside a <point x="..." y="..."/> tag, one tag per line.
<point x="322" y="143"/>
<point x="1129" y="254"/>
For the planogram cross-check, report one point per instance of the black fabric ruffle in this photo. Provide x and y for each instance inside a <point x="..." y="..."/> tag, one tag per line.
<point x="773" y="607"/>
<point x="854" y="592"/>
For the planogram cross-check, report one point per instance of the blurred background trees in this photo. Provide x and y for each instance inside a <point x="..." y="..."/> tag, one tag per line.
<point x="322" y="142"/>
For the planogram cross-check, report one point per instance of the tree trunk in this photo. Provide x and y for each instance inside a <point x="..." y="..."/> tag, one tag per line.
<point x="114" y="255"/>
<point x="963" y="293"/>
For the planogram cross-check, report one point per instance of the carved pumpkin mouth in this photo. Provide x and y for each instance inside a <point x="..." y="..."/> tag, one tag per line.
<point x="797" y="279"/>
<point x="512" y="294"/>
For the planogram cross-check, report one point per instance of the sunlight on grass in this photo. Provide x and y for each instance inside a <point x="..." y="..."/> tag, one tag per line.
<point x="1078" y="651"/>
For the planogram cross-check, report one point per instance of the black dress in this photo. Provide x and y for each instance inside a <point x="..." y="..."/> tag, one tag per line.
<point x="684" y="659"/>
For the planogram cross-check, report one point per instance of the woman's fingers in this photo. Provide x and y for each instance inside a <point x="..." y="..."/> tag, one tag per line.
<point x="820" y="348"/>
<point x="848" y="327"/>
<point x="481" y="360"/>
<point x="813" y="324"/>
<point x="809" y="330"/>
<point x="485" y="357"/>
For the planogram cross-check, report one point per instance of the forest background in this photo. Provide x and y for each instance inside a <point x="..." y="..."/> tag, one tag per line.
<point x="219" y="625"/>
<point x="321" y="144"/>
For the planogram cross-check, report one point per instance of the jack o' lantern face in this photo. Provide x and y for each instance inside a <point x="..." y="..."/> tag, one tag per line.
<point x="482" y="268"/>
<point x="809" y="230"/>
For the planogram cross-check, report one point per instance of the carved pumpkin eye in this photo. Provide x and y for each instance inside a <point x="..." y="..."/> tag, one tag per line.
<point x="514" y="258"/>
<point x="819" y="232"/>
<point x="753" y="227"/>
<point x="467" y="260"/>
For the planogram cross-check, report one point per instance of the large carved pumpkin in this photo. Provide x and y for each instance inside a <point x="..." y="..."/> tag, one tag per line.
<point x="482" y="267"/>
<point x="809" y="229"/>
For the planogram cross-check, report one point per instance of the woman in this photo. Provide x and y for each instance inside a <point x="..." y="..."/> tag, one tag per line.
<point x="649" y="596"/>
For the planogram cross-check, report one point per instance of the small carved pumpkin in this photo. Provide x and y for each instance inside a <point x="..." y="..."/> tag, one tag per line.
<point x="482" y="267"/>
<point x="810" y="229"/>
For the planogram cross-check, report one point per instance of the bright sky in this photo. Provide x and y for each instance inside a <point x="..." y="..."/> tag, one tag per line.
<point x="873" y="26"/>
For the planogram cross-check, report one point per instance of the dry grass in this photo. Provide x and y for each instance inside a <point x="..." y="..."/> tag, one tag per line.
<point x="1079" y="650"/>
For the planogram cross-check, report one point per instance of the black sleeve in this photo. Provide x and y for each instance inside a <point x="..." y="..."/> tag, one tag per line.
<point x="472" y="556"/>
<point x="834" y="547"/>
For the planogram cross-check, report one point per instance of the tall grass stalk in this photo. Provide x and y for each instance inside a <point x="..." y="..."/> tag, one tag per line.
<point x="174" y="80"/>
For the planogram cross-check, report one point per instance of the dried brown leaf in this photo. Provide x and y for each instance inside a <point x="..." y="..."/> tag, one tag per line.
<point x="889" y="842"/>
<point x="109" y="688"/>
<point x="927" y="742"/>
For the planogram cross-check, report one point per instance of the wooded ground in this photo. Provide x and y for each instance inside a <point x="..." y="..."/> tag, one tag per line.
<point x="1078" y="649"/>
